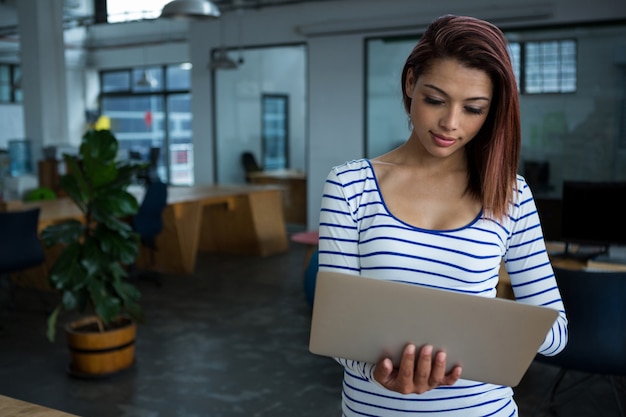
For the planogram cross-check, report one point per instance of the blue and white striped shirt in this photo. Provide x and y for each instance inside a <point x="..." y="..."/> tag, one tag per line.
<point x="359" y="235"/>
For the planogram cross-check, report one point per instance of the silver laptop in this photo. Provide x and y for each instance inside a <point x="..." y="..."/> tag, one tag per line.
<point x="494" y="340"/>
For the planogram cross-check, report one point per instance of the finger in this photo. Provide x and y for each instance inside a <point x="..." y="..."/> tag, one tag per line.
<point x="438" y="373"/>
<point x="407" y="368"/>
<point x="453" y="376"/>
<point x="382" y="371"/>
<point x="424" y="364"/>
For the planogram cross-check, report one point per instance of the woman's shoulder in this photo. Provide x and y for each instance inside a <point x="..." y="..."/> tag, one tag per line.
<point x="521" y="198"/>
<point x="523" y="190"/>
<point x="354" y="168"/>
<point x="354" y="164"/>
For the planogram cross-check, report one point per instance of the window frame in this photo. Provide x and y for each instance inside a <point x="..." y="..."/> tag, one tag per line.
<point x="15" y="92"/>
<point x="521" y="66"/>
<point x="160" y="90"/>
<point x="268" y="116"/>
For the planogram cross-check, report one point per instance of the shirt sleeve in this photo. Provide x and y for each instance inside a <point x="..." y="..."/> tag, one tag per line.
<point x="338" y="229"/>
<point x="338" y="247"/>
<point x="528" y="266"/>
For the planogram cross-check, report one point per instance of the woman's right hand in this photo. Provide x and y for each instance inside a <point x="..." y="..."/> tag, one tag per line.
<point x="417" y="373"/>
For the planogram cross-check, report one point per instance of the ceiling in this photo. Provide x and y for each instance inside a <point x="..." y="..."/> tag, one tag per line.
<point x="80" y="13"/>
<point x="229" y="5"/>
<point x="83" y="9"/>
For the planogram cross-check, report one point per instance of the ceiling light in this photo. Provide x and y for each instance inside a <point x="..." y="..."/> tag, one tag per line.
<point x="190" y="9"/>
<point x="146" y="80"/>
<point x="221" y="60"/>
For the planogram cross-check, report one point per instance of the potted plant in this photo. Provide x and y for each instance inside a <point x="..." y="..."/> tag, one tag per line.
<point x="91" y="268"/>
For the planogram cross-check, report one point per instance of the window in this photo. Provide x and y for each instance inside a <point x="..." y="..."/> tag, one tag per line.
<point x="126" y="11"/>
<point x="550" y="67"/>
<point x="10" y="91"/>
<point x="515" y="49"/>
<point x="544" y="67"/>
<point x="274" y="130"/>
<point x="151" y="108"/>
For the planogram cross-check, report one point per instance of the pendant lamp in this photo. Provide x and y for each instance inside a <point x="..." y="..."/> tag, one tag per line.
<point x="221" y="60"/>
<point x="146" y="80"/>
<point x="190" y="9"/>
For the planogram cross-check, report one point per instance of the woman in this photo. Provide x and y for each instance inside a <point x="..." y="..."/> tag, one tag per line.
<point x="442" y="210"/>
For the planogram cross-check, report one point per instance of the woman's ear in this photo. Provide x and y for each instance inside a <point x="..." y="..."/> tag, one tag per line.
<point x="409" y="83"/>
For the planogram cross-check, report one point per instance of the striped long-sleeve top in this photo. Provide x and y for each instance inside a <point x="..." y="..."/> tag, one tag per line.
<point x="359" y="235"/>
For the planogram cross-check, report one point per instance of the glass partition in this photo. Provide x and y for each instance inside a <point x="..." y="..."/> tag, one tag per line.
<point x="575" y="133"/>
<point x="260" y="107"/>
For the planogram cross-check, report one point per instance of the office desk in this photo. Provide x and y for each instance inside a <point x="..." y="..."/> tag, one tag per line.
<point x="238" y="219"/>
<point x="17" y="408"/>
<point x="54" y="211"/>
<point x="294" y="196"/>
<point x="242" y="219"/>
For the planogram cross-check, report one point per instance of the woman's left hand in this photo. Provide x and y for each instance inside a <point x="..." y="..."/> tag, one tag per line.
<point x="417" y="373"/>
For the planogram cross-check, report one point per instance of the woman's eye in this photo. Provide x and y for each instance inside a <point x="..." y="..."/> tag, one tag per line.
<point x="434" y="101"/>
<point x="474" y="110"/>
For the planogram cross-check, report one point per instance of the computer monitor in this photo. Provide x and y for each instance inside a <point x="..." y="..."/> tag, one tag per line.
<point x="593" y="213"/>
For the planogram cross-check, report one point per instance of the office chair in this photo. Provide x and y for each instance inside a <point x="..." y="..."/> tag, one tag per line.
<point x="595" y="304"/>
<point x="148" y="222"/>
<point x="249" y="163"/>
<point x="153" y="161"/>
<point x="20" y="247"/>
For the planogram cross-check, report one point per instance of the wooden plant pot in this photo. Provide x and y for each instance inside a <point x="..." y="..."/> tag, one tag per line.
<point x="97" y="354"/>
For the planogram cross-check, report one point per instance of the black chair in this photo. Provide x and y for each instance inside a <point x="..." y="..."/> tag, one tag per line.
<point x="150" y="173"/>
<point x="595" y="304"/>
<point x="248" y="160"/>
<point x="20" y="247"/>
<point x="153" y="164"/>
<point x="148" y="222"/>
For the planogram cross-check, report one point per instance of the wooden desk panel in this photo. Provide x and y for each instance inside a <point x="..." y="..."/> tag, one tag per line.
<point x="294" y="196"/>
<point x="244" y="220"/>
<point x="17" y="408"/>
<point x="53" y="211"/>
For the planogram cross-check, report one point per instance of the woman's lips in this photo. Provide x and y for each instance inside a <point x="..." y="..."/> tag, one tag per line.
<point x="443" y="141"/>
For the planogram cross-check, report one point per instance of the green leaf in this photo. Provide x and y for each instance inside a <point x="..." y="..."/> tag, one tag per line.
<point x="118" y="245"/>
<point x="52" y="323"/>
<point x="127" y="171"/>
<point x="107" y="305"/>
<point x="114" y="204"/>
<point x="74" y="182"/>
<point x="100" y="173"/>
<point x="71" y="301"/>
<point x="65" y="233"/>
<point x="131" y="297"/>
<point x="99" y="145"/>
<point x="67" y="269"/>
<point x="94" y="259"/>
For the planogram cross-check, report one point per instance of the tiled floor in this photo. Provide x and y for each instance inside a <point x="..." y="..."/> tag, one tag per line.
<point x="231" y="340"/>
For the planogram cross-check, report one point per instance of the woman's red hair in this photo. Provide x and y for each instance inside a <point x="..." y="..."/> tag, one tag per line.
<point x="493" y="155"/>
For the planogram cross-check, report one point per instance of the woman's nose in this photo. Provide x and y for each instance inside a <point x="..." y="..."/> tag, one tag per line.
<point x="450" y="119"/>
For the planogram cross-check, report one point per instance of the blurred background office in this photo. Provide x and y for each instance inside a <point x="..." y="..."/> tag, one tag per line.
<point x="302" y="85"/>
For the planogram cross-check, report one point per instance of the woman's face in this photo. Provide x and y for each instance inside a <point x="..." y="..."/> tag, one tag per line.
<point x="449" y="104"/>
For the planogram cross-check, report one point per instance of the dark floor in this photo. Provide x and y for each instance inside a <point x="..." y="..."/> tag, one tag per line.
<point x="231" y="340"/>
